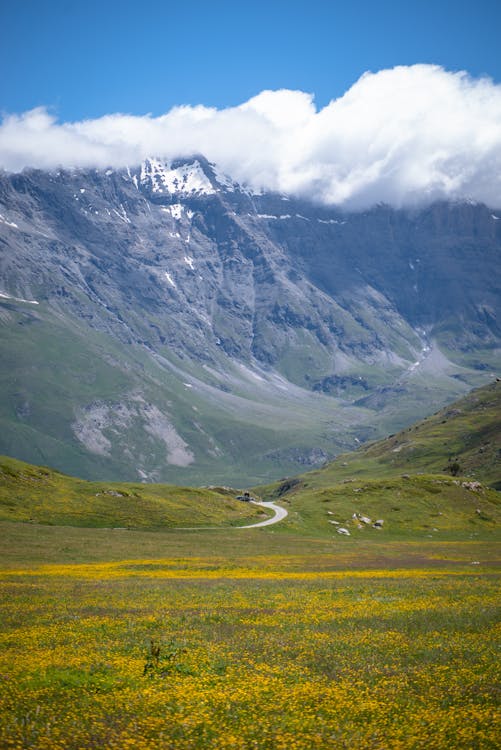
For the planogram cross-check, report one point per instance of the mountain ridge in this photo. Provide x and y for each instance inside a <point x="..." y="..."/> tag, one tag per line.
<point x="220" y="325"/>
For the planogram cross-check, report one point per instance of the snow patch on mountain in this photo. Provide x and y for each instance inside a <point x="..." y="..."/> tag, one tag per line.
<point x="177" y="211"/>
<point x="8" y="223"/>
<point x="170" y="280"/>
<point x="271" y="216"/>
<point x="19" y="299"/>
<point x="186" y="179"/>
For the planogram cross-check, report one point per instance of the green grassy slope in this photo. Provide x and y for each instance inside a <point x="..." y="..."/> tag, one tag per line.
<point x="436" y="477"/>
<point x="40" y="495"/>
<point x="467" y="432"/>
<point x="95" y="403"/>
<point x="423" y="506"/>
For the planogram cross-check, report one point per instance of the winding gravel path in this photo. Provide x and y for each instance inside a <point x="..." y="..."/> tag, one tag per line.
<point x="280" y="514"/>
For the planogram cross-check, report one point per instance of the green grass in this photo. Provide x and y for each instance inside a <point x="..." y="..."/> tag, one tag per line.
<point x="290" y="637"/>
<point x="467" y="432"/>
<point x="41" y="495"/>
<point x="238" y="639"/>
<point x="27" y="545"/>
<point x="407" y="479"/>
<point x="420" y="506"/>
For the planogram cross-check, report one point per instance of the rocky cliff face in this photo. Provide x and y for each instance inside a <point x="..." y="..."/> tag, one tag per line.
<point x="165" y="323"/>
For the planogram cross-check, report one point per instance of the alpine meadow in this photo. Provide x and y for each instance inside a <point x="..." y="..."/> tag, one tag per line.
<point x="250" y="397"/>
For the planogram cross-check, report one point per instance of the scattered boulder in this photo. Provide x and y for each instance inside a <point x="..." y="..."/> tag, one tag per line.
<point x="344" y="531"/>
<point x="473" y="486"/>
<point x="378" y="524"/>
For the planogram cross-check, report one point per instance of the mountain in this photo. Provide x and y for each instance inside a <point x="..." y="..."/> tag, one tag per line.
<point x="162" y="323"/>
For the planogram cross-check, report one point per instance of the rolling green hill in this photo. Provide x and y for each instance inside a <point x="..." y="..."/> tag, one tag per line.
<point x="41" y="495"/>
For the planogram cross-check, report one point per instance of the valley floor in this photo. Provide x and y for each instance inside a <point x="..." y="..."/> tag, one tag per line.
<point x="246" y="639"/>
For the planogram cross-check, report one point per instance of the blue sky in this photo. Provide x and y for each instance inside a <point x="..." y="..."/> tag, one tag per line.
<point x="86" y="59"/>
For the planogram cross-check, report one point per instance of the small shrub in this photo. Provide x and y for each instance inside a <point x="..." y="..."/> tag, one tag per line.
<point x="161" y="660"/>
<point x="454" y="468"/>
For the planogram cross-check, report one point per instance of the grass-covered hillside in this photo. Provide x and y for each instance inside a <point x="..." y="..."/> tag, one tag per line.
<point x="438" y="476"/>
<point x="41" y="495"/>
<point x="463" y="439"/>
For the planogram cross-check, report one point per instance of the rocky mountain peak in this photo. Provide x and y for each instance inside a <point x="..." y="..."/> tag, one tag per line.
<point x="188" y="177"/>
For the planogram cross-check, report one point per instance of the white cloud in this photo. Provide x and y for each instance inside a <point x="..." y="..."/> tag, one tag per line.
<point x="400" y="136"/>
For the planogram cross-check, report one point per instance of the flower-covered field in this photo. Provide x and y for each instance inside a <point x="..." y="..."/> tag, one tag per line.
<point x="271" y="651"/>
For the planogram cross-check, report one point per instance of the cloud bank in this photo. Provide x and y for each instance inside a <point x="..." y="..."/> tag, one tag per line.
<point x="401" y="136"/>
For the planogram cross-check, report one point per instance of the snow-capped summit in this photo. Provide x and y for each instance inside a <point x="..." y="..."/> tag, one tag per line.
<point x="186" y="177"/>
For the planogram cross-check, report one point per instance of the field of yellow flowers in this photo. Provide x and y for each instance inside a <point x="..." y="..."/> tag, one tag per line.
<point x="277" y="650"/>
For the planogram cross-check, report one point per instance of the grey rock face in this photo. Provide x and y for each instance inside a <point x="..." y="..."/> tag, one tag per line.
<point x="228" y="333"/>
